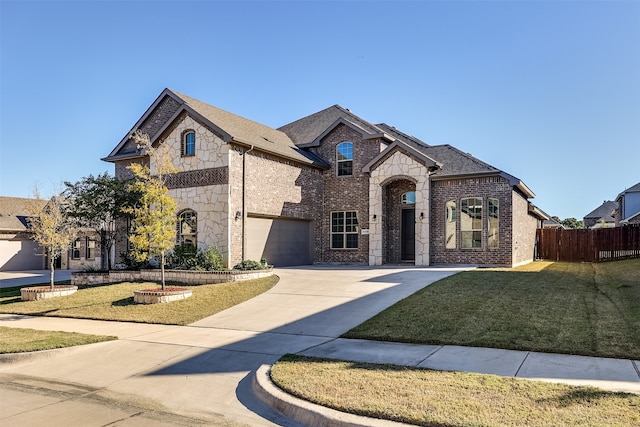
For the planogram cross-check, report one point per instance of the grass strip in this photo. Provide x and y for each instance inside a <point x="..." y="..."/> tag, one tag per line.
<point x="574" y="308"/>
<point x="20" y="340"/>
<point x="115" y="302"/>
<point x="434" y="398"/>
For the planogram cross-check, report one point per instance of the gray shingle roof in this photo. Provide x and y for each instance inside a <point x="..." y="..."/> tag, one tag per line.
<point x="14" y="212"/>
<point x="307" y="130"/>
<point x="603" y="211"/>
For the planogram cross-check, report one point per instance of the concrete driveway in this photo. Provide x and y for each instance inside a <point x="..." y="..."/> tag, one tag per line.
<point x="30" y="277"/>
<point x="196" y="374"/>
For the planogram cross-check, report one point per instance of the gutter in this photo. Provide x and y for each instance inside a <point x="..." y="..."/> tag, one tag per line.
<point x="244" y="202"/>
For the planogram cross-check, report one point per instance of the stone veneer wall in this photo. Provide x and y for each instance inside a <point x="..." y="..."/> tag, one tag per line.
<point x="399" y="165"/>
<point x="392" y="219"/>
<point x="456" y="189"/>
<point x="177" y="276"/>
<point x="344" y="193"/>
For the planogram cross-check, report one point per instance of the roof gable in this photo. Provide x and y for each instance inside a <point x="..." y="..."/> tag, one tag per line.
<point x="604" y="210"/>
<point x="232" y="128"/>
<point x="407" y="150"/>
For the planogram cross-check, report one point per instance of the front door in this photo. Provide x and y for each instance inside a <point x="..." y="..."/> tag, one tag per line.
<point x="408" y="244"/>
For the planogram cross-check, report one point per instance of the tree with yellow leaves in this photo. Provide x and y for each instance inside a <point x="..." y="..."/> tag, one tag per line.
<point x="154" y="216"/>
<point x="51" y="228"/>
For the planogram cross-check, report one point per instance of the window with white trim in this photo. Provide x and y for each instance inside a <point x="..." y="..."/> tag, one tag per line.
<point x="450" y="225"/>
<point x="344" y="230"/>
<point x="344" y="158"/>
<point x="471" y="223"/>
<point x="494" y="223"/>
<point x="75" y="249"/>
<point x="90" y="248"/>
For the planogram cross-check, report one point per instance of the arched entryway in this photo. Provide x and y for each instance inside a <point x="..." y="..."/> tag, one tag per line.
<point x="399" y="221"/>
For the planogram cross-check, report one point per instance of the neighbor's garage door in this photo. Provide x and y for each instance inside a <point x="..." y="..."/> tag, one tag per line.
<point x="282" y="242"/>
<point x="19" y="255"/>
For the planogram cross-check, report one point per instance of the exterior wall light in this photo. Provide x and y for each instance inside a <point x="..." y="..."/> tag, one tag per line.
<point x="238" y="215"/>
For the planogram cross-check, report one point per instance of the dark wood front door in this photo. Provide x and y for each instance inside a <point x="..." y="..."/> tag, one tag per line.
<point x="408" y="235"/>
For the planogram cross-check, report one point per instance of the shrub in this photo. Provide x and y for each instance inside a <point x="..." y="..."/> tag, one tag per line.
<point x="186" y="257"/>
<point x="250" y="265"/>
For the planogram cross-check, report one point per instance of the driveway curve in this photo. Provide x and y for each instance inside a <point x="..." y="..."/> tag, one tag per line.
<point x="201" y="371"/>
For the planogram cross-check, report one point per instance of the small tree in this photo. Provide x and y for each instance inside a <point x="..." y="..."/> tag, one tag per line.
<point x="51" y="228"/>
<point x="96" y="202"/>
<point x="154" y="216"/>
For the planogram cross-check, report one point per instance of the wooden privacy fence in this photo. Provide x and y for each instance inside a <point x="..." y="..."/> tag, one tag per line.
<point x="588" y="245"/>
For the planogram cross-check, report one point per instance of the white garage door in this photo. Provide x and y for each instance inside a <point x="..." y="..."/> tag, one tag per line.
<point x="282" y="242"/>
<point x="19" y="255"/>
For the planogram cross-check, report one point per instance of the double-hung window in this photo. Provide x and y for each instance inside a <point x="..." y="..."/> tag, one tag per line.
<point x="90" y="248"/>
<point x="471" y="222"/>
<point x="344" y="158"/>
<point x="75" y="249"/>
<point x="344" y="230"/>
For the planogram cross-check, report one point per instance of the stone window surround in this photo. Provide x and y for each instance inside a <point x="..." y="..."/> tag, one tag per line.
<point x="186" y="145"/>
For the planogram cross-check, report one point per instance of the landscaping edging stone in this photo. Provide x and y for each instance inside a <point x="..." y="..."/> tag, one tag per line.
<point x="158" y="296"/>
<point x="35" y="293"/>
<point x="187" y="277"/>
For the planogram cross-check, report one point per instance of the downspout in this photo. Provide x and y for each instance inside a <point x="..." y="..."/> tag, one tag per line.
<point x="244" y="203"/>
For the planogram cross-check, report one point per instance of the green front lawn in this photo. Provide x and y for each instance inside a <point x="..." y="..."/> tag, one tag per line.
<point x="19" y="340"/>
<point x="587" y="309"/>
<point x="115" y="302"/>
<point x="432" y="398"/>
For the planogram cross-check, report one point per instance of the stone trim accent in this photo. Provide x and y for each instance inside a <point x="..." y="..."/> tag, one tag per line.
<point x="198" y="178"/>
<point x="35" y="293"/>
<point x="186" y="277"/>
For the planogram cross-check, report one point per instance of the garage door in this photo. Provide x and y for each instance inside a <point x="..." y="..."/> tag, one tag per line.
<point x="282" y="242"/>
<point x="19" y="255"/>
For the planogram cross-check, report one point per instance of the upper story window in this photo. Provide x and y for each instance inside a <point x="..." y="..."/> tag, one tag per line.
<point x="344" y="158"/>
<point x="189" y="143"/>
<point x="471" y="222"/>
<point x="409" y="198"/>
<point x="187" y="228"/>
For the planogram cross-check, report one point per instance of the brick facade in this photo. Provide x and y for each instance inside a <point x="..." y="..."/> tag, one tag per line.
<point x="229" y="182"/>
<point x="456" y="189"/>
<point x="344" y="193"/>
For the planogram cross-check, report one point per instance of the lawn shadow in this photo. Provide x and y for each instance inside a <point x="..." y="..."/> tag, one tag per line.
<point x="124" y="302"/>
<point x="582" y="395"/>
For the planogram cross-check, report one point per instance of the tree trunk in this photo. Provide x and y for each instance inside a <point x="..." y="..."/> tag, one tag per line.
<point x="162" y="268"/>
<point x="52" y="266"/>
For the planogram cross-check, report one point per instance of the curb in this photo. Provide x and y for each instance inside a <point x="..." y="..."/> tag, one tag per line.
<point x="307" y="413"/>
<point x="15" y="358"/>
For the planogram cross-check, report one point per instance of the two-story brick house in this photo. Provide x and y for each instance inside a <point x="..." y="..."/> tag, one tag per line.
<point x="331" y="187"/>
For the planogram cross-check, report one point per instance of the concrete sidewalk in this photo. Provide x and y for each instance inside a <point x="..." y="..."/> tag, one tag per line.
<point x="202" y="373"/>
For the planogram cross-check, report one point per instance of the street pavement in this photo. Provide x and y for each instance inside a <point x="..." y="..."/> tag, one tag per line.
<point x="202" y="374"/>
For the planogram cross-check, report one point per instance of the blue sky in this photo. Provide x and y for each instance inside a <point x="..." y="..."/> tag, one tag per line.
<point x="548" y="91"/>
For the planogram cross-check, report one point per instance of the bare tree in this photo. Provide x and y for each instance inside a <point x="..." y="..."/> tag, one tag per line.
<point x="51" y="228"/>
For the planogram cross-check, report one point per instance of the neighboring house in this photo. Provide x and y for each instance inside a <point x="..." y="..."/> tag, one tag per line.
<point x="628" y="211"/>
<point x="18" y="250"/>
<point x="330" y="188"/>
<point x="602" y="216"/>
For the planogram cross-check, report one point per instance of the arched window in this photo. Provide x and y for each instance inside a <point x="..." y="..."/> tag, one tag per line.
<point x="344" y="158"/>
<point x="187" y="228"/>
<point x="409" y="198"/>
<point x="189" y="143"/>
